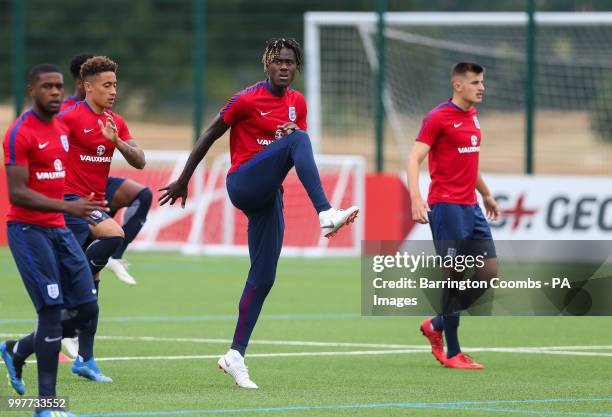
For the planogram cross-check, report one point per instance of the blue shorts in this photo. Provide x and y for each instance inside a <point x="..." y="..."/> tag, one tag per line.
<point x="52" y="265"/>
<point x="79" y="226"/>
<point x="462" y="228"/>
<point x="112" y="186"/>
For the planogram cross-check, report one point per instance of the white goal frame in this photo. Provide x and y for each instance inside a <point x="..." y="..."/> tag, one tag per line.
<point x="204" y="192"/>
<point x="366" y="22"/>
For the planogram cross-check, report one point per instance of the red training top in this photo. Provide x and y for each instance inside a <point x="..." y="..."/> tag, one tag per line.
<point x="90" y="153"/>
<point x="43" y="147"/>
<point x="254" y="114"/>
<point x="454" y="137"/>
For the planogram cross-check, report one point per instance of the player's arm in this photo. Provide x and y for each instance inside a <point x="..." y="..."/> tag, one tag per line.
<point x="419" y="205"/>
<point x="128" y="148"/>
<point x="132" y="153"/>
<point x="178" y="189"/>
<point x="21" y="195"/>
<point x="491" y="207"/>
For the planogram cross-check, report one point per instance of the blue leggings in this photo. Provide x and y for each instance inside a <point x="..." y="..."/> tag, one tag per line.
<point x="254" y="188"/>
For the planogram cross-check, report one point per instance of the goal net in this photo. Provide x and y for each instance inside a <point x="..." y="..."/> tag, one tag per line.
<point x="210" y="224"/>
<point x="573" y="79"/>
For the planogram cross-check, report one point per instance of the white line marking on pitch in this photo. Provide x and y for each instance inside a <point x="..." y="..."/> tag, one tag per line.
<point x="550" y="350"/>
<point x="346" y="353"/>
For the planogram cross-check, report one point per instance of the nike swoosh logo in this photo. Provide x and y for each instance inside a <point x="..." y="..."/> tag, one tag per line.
<point x="87" y="130"/>
<point x="457" y="124"/>
<point x="42" y="145"/>
<point x="264" y="113"/>
<point x="52" y="340"/>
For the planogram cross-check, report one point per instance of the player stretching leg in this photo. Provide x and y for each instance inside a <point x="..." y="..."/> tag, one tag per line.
<point x="94" y="133"/>
<point x="51" y="263"/>
<point x="450" y="136"/>
<point x="120" y="192"/>
<point x="267" y="123"/>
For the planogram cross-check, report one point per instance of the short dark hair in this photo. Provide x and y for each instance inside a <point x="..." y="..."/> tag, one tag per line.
<point x="461" y="68"/>
<point x="96" y="65"/>
<point x="274" y="46"/>
<point x="39" y="69"/>
<point x="77" y="62"/>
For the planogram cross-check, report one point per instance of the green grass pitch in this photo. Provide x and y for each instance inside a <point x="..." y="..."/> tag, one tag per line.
<point x="312" y="352"/>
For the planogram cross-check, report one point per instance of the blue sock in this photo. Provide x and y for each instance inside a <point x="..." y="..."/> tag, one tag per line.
<point x="100" y="250"/>
<point x="249" y="308"/>
<point x="437" y="323"/>
<point x="307" y="171"/>
<point x="25" y="346"/>
<point x="451" y="326"/>
<point x="86" y="322"/>
<point x="134" y="218"/>
<point x="47" y="344"/>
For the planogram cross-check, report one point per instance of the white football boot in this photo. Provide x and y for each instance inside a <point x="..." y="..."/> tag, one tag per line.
<point x="332" y="220"/>
<point x="233" y="363"/>
<point x="119" y="268"/>
<point x="71" y="344"/>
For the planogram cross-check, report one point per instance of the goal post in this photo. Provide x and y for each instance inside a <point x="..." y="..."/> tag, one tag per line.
<point x="574" y="73"/>
<point x="210" y="224"/>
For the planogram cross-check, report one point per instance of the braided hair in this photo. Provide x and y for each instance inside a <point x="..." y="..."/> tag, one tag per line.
<point x="273" y="48"/>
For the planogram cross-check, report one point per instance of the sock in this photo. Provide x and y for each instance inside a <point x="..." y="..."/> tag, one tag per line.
<point x="249" y="308"/>
<point x="134" y="218"/>
<point x="24" y="347"/>
<point x="68" y="324"/>
<point x="97" y="285"/>
<point x="86" y="322"/>
<point x="451" y="327"/>
<point x="47" y="342"/>
<point x="10" y="346"/>
<point x="307" y="171"/>
<point x="437" y="323"/>
<point x="100" y="250"/>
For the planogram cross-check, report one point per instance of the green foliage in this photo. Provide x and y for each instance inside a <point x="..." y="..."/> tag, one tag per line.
<point x="152" y="39"/>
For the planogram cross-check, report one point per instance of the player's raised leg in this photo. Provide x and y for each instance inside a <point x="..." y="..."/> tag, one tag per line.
<point x="124" y="192"/>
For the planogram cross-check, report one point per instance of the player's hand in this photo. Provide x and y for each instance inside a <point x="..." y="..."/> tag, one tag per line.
<point x="420" y="208"/>
<point x="491" y="207"/>
<point x="85" y="206"/>
<point x="172" y="192"/>
<point x="288" y="128"/>
<point x="109" y="129"/>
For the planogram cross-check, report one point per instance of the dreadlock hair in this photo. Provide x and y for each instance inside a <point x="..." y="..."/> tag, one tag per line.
<point x="77" y="62"/>
<point x="273" y="48"/>
<point x="96" y="65"/>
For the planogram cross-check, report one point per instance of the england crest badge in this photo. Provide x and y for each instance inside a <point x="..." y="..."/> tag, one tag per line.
<point x="64" y="139"/>
<point x="53" y="291"/>
<point x="476" y="122"/>
<point x="292" y="114"/>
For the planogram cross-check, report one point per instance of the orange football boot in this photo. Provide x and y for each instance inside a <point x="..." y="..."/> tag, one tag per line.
<point x="435" y="340"/>
<point x="462" y="361"/>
